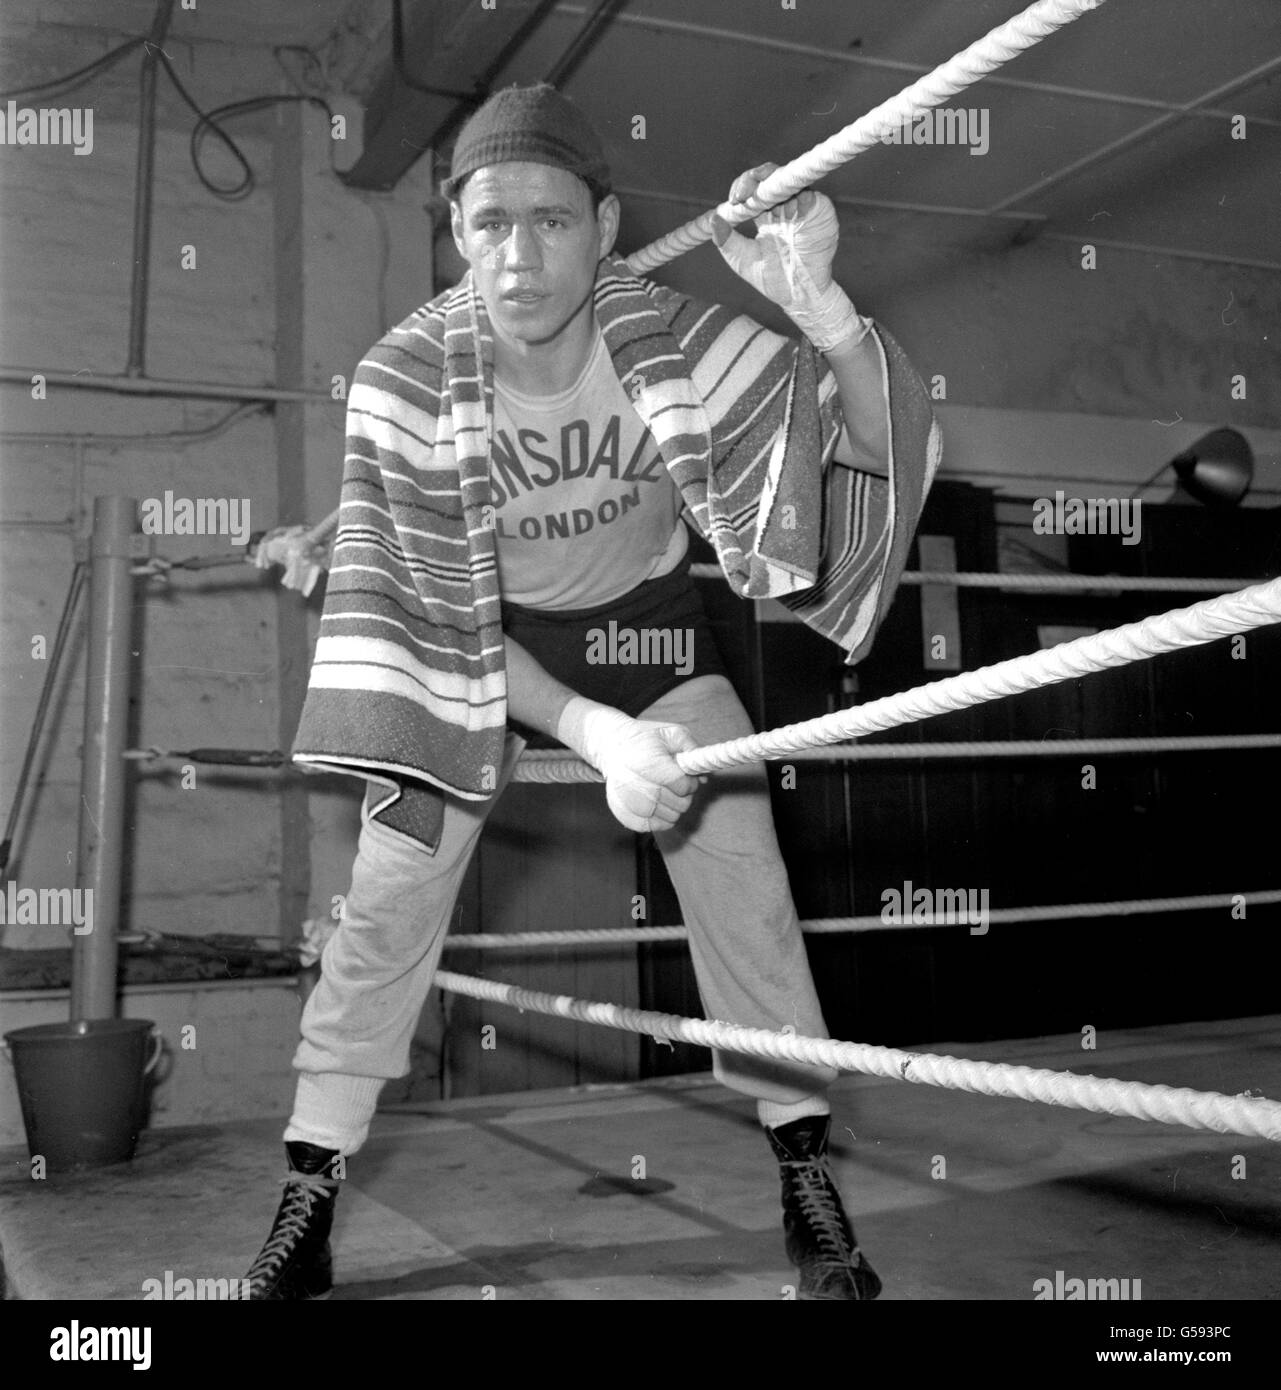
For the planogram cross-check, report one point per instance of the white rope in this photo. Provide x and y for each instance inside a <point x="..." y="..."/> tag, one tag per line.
<point x="966" y="579"/>
<point x="831" y="926"/>
<point x="1242" y="1114"/>
<point x="1165" y="632"/>
<point x="1077" y="583"/>
<point x="1053" y="583"/>
<point x="969" y="579"/>
<point x="560" y="767"/>
<point x="1035" y="748"/>
<point x="551" y="765"/>
<point x="962" y="70"/>
<point x="320" y="531"/>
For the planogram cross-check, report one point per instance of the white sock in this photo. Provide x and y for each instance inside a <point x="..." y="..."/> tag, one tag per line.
<point x="772" y="1113"/>
<point x="333" y="1110"/>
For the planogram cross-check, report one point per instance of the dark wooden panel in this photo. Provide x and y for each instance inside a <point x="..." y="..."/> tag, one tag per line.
<point x="551" y="857"/>
<point x="452" y="51"/>
<point x="1028" y="830"/>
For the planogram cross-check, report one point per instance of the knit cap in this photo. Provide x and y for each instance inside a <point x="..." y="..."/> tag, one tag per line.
<point x="534" y="124"/>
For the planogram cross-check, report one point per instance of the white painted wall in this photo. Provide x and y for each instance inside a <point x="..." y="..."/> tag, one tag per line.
<point x="204" y="858"/>
<point x="237" y="1065"/>
<point x="1030" y="453"/>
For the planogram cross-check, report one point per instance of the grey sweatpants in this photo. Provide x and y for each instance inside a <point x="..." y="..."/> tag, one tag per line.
<point x="724" y="862"/>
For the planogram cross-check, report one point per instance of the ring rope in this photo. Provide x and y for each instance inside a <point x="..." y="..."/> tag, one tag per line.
<point x="320" y="531"/>
<point x="1075" y="583"/>
<point x="831" y="926"/>
<point x="962" y="70"/>
<point x="1181" y="627"/>
<point x="1242" y="1114"/>
<point x="966" y="579"/>
<point x="551" y="765"/>
<point x="1055" y="583"/>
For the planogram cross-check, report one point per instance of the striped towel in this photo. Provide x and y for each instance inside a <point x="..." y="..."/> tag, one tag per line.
<point x="408" y="686"/>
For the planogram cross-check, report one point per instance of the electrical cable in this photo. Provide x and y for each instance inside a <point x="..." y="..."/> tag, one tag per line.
<point x="207" y="123"/>
<point x="59" y="86"/>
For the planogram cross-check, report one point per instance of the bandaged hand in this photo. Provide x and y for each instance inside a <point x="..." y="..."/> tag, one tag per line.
<point x="303" y="559"/>
<point x="790" y="261"/>
<point x="644" y="784"/>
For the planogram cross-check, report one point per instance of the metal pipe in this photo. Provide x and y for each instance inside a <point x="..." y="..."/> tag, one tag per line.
<point x="102" y="780"/>
<point x="583" y="41"/>
<point x="160" y="439"/>
<point x="143" y="187"/>
<point x="147" y="386"/>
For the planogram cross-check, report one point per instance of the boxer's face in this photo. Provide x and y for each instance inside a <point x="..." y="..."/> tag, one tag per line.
<point x="533" y="241"/>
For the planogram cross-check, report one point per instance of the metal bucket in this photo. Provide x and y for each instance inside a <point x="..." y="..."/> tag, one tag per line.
<point x="82" y="1088"/>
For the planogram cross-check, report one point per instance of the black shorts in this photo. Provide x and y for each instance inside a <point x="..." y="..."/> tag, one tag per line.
<point x="627" y="653"/>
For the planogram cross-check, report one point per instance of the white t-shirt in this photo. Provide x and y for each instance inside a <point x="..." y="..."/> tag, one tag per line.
<point x="586" y="509"/>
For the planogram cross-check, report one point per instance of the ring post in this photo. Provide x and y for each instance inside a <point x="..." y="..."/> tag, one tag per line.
<point x="100" y="856"/>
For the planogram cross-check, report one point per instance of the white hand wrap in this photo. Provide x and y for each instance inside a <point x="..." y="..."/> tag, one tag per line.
<point x="830" y="320"/>
<point x="790" y="262"/>
<point x="644" y="785"/>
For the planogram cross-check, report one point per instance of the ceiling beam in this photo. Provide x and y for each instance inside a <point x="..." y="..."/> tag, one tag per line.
<point x="912" y="71"/>
<point x="1031" y="225"/>
<point x="850" y="201"/>
<point x="450" y="52"/>
<point x="1143" y="132"/>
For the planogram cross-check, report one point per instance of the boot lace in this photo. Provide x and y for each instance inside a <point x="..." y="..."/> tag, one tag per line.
<point x="812" y="1189"/>
<point x="303" y="1191"/>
